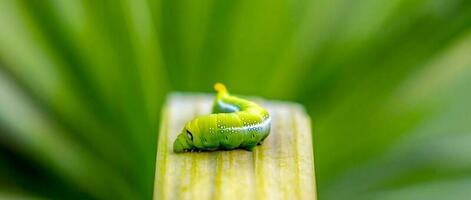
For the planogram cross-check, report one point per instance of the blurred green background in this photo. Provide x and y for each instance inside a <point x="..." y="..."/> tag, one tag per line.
<point x="387" y="84"/>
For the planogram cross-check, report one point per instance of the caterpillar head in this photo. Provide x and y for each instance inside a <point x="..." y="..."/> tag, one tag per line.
<point x="186" y="140"/>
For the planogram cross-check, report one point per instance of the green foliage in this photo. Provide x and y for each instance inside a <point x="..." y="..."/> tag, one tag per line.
<point x="387" y="84"/>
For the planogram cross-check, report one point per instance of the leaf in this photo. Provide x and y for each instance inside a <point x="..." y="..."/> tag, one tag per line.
<point x="282" y="166"/>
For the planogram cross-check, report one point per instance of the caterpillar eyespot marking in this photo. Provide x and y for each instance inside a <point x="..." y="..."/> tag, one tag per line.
<point x="234" y="123"/>
<point x="189" y="135"/>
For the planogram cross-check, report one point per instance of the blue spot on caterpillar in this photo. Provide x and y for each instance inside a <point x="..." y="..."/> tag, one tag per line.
<point x="234" y="123"/>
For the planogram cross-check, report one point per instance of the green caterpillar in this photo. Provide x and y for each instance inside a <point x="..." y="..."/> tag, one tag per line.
<point x="235" y="123"/>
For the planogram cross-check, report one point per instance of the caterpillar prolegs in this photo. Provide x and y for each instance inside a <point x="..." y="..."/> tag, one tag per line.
<point x="234" y="123"/>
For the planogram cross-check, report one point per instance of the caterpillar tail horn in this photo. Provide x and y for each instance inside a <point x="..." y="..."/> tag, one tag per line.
<point x="220" y="89"/>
